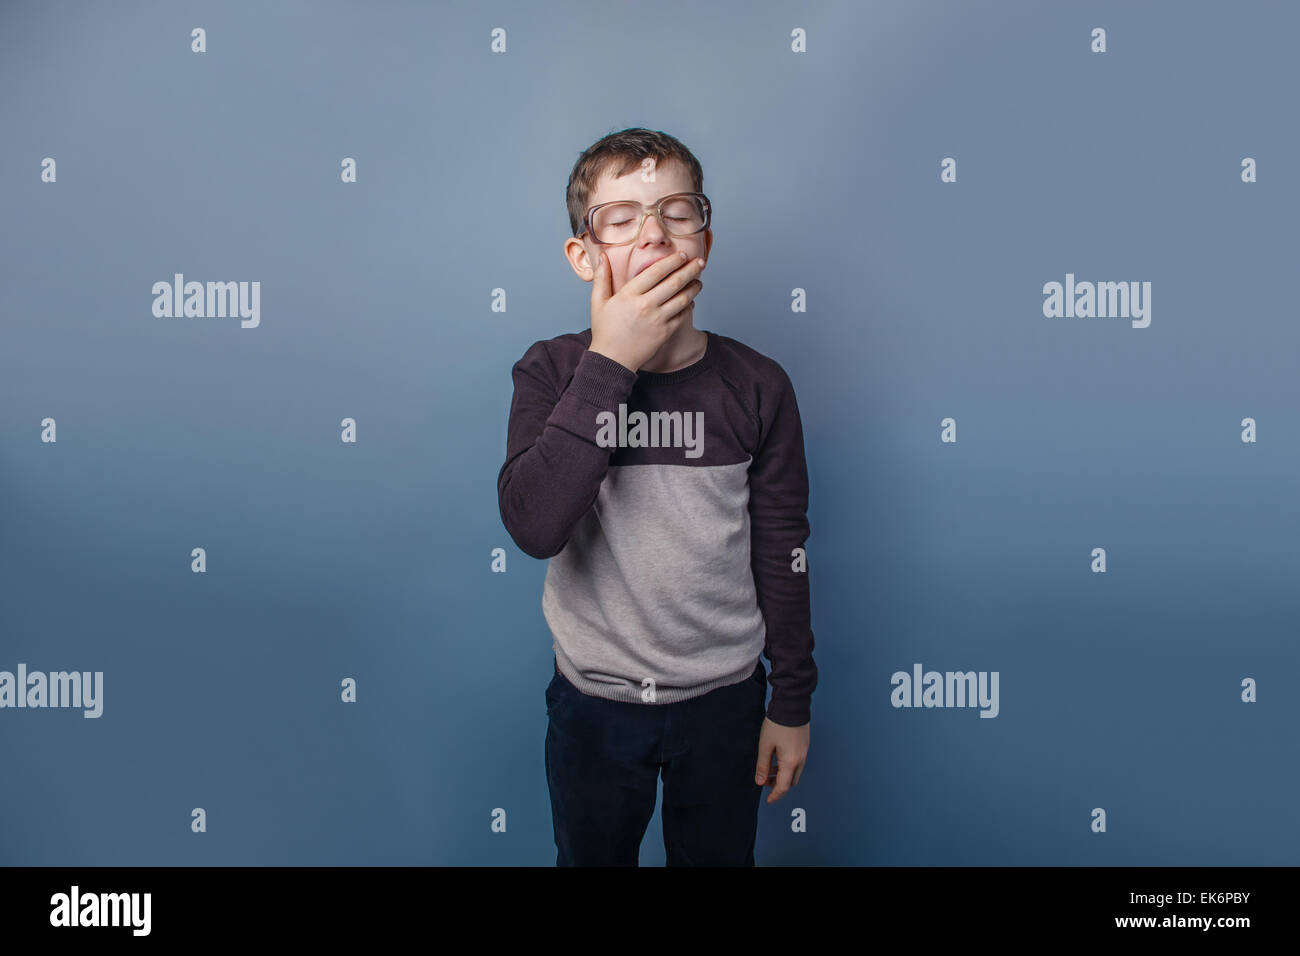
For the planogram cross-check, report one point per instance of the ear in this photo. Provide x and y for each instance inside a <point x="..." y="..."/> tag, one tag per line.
<point x="582" y="261"/>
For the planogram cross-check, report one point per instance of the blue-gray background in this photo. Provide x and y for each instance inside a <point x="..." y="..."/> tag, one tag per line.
<point x="326" y="560"/>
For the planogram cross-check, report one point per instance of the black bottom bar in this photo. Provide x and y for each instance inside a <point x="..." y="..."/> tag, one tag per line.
<point x="920" y="904"/>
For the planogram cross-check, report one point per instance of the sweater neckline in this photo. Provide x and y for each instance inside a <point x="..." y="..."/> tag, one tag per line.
<point x="682" y="374"/>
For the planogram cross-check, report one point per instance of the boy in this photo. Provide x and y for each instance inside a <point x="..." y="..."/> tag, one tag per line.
<point x="661" y="469"/>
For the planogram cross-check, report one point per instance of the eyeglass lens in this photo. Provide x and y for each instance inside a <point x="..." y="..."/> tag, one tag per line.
<point x="618" y="222"/>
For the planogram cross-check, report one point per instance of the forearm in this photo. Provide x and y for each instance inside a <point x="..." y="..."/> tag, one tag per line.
<point x="784" y="599"/>
<point x="552" y="476"/>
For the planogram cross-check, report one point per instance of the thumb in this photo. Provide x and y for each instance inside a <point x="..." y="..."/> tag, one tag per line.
<point x="602" y="286"/>
<point x="764" y="764"/>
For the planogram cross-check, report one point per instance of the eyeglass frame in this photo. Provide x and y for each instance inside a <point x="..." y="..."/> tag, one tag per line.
<point x="645" y="214"/>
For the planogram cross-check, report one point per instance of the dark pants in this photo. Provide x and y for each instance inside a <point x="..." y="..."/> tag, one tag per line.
<point x="604" y="757"/>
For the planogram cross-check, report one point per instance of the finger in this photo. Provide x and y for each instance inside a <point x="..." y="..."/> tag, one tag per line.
<point x="671" y="323"/>
<point x="682" y="300"/>
<point x="783" y="777"/>
<point x="601" y="283"/>
<point x="672" y="272"/>
<point x="685" y="279"/>
<point x="763" y="771"/>
<point x="798" y="772"/>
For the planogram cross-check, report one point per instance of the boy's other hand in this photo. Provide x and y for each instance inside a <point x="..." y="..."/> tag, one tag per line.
<point x="630" y="325"/>
<point x="790" y="747"/>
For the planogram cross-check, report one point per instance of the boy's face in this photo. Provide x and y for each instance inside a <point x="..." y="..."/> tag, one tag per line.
<point x="654" y="243"/>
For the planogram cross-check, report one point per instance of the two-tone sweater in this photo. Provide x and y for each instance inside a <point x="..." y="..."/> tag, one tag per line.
<point x="673" y="509"/>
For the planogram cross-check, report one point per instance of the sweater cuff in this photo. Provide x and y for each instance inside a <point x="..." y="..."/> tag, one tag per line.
<point x="600" y="381"/>
<point x="790" y="712"/>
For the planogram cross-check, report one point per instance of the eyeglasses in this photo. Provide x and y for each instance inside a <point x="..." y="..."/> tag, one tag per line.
<point x="620" y="222"/>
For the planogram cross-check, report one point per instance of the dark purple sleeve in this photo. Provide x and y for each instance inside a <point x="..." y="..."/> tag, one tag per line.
<point x="553" y="466"/>
<point x="778" y="509"/>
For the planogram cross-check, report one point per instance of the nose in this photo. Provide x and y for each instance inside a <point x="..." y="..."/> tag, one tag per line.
<point x="653" y="230"/>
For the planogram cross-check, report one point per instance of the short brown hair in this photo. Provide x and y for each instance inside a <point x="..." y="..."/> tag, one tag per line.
<point x="623" y="152"/>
